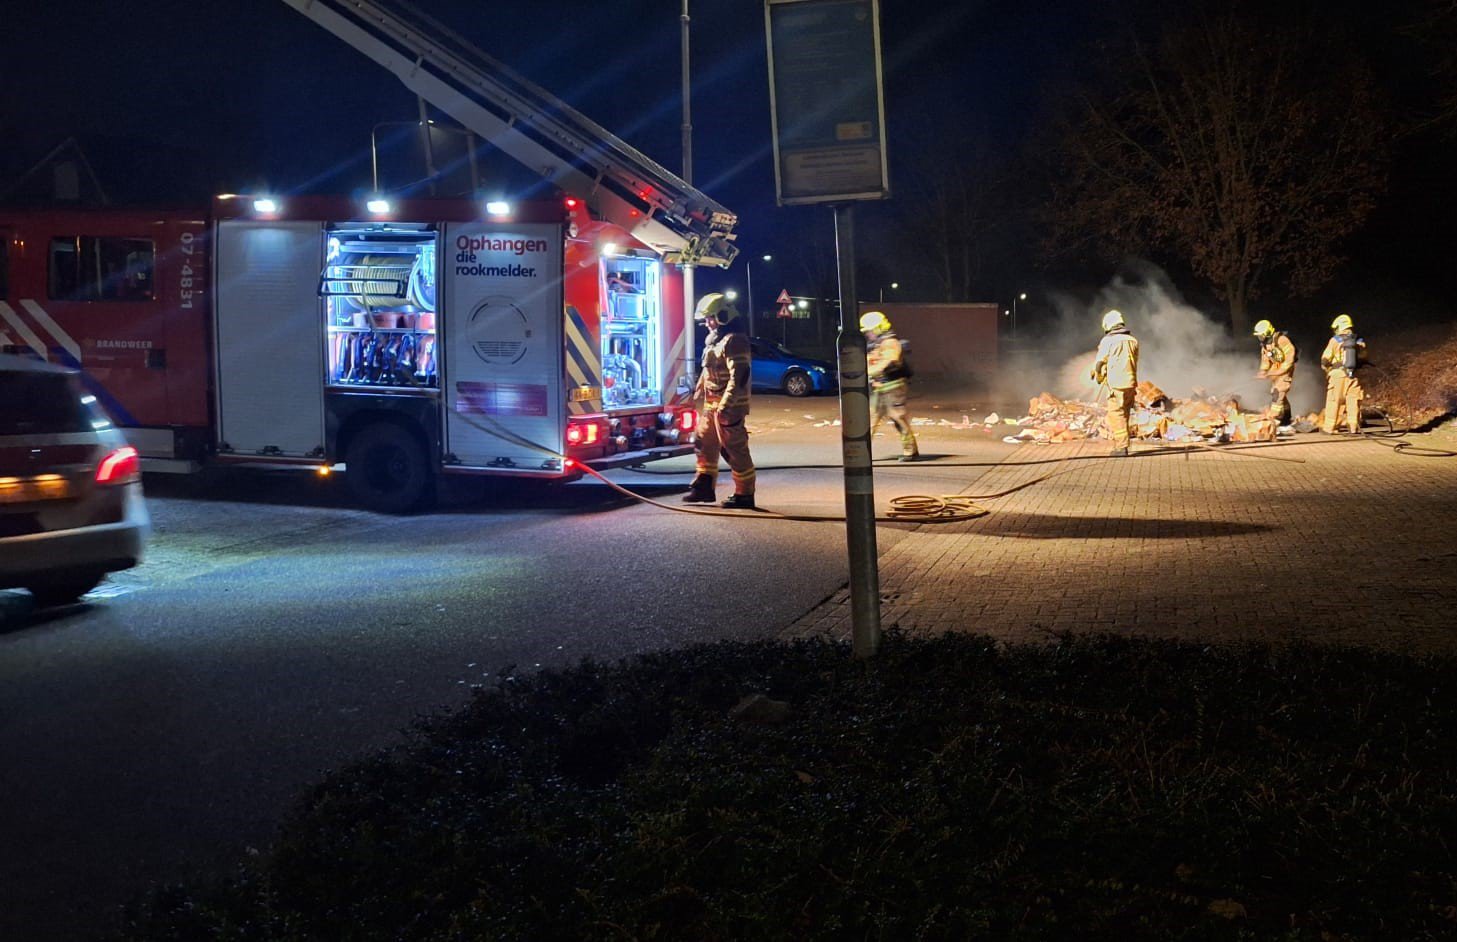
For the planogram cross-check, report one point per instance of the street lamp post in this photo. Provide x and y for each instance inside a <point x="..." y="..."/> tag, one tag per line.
<point x="749" y="271"/>
<point x="1022" y="296"/>
<point x="689" y="361"/>
<point x="893" y="286"/>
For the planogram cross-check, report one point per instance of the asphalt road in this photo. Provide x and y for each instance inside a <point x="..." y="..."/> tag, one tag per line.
<point x="160" y="730"/>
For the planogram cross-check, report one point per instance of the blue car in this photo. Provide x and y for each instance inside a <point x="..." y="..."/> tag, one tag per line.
<point x="778" y="369"/>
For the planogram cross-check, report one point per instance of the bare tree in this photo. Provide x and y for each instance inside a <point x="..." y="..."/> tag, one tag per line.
<point x="1249" y="152"/>
<point x="808" y="237"/>
<point x="950" y="204"/>
<point x="1436" y="31"/>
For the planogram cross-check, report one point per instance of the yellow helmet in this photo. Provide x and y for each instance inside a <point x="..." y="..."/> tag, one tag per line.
<point x="715" y="310"/>
<point x="1112" y="319"/>
<point x="1264" y="329"/>
<point x="1342" y="322"/>
<point x="874" y="320"/>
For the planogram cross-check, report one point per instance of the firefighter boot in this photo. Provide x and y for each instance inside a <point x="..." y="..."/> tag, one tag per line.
<point x="739" y="502"/>
<point x="700" y="491"/>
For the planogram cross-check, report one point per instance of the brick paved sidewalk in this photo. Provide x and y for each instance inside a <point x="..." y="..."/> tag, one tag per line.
<point x="1340" y="540"/>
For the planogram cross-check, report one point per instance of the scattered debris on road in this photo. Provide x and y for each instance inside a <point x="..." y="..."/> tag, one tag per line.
<point x="1156" y="416"/>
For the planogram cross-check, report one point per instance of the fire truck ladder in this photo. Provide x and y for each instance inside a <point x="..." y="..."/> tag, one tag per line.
<point x="529" y="124"/>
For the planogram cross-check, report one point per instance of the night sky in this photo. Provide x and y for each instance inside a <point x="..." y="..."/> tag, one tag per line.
<point x="258" y="96"/>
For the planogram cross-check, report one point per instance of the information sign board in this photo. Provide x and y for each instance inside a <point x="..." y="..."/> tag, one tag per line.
<point x="826" y="97"/>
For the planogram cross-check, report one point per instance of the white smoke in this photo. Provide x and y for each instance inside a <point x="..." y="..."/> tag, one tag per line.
<point x="1181" y="350"/>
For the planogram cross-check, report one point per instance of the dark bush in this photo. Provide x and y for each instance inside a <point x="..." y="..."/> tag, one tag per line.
<point x="1097" y="788"/>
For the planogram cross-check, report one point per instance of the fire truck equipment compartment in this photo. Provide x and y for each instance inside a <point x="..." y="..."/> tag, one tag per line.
<point x="269" y="385"/>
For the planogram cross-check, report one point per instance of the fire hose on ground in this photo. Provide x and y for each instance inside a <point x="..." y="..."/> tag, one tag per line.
<point x="948" y="508"/>
<point x="909" y="508"/>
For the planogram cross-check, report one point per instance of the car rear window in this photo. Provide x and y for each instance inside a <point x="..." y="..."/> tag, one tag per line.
<point x="41" y="404"/>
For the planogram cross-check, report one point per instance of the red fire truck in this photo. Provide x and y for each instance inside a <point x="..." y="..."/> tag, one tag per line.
<point x="403" y="338"/>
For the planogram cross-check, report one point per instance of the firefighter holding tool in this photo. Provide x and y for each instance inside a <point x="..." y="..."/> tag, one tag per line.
<point x="1117" y="368"/>
<point x="723" y="388"/>
<point x="889" y="380"/>
<point x="1277" y="364"/>
<point x="1343" y="355"/>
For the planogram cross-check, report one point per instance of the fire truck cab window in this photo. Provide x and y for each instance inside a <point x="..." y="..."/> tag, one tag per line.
<point x="101" y="268"/>
<point x="631" y="371"/>
<point x="378" y="290"/>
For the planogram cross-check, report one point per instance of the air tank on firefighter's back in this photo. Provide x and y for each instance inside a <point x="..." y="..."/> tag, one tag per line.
<point x="377" y="286"/>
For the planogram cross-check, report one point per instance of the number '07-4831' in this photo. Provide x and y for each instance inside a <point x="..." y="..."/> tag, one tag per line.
<point x="185" y="283"/>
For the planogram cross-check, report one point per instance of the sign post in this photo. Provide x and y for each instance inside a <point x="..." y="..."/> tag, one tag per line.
<point x="828" y="114"/>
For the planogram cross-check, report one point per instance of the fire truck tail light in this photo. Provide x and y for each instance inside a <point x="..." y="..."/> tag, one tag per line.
<point x="583" y="433"/>
<point x="571" y="202"/>
<point x="688" y="420"/>
<point x="122" y="466"/>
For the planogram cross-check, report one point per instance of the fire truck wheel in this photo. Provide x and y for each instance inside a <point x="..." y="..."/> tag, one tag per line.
<point x="387" y="470"/>
<point x="797" y="383"/>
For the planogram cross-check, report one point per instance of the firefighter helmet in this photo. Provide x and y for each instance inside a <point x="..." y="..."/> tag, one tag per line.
<point x="874" y="321"/>
<point x="715" y="310"/>
<point x="1264" y="330"/>
<point x="1342" y="322"/>
<point x="1113" y="319"/>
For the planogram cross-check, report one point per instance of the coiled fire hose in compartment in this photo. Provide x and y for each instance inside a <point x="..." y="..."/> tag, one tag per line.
<point x="389" y="288"/>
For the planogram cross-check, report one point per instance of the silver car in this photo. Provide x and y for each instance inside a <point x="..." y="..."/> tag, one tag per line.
<point x="71" y="506"/>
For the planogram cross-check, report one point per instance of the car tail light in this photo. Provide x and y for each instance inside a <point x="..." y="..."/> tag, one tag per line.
<point x="122" y="466"/>
<point x="688" y="420"/>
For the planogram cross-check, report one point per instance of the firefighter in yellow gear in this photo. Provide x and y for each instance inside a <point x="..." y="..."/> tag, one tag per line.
<point x="723" y="394"/>
<point x="1117" y="368"/>
<point x="885" y="360"/>
<point x="1343" y="356"/>
<point x="1277" y="364"/>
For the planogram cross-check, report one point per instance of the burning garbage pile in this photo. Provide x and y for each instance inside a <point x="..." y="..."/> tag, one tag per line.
<point x="1155" y="417"/>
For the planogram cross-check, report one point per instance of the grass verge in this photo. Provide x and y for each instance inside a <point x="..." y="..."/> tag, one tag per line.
<point x="950" y="789"/>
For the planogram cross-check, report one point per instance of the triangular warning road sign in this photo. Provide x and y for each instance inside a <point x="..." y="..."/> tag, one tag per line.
<point x="783" y="298"/>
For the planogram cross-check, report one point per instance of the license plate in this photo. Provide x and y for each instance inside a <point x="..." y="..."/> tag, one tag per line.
<point x="40" y="487"/>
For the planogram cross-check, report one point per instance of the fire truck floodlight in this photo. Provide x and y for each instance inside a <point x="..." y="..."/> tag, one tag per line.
<point x="265" y="205"/>
<point x="378" y="206"/>
<point x="609" y="249"/>
<point x="498" y="208"/>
